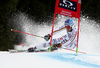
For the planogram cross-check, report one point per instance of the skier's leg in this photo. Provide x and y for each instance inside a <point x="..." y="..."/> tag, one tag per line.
<point x="71" y="46"/>
<point x="47" y="44"/>
<point x="43" y="45"/>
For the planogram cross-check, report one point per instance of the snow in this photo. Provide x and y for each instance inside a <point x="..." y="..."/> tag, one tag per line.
<point x="58" y="59"/>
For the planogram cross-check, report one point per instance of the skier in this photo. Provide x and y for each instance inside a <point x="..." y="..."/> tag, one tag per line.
<point x="67" y="41"/>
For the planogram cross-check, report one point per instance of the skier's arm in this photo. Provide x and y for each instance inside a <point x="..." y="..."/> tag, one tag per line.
<point x="47" y="37"/>
<point x="58" y="30"/>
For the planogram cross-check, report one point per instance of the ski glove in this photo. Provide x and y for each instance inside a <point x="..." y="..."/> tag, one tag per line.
<point x="47" y="37"/>
<point x="57" y="45"/>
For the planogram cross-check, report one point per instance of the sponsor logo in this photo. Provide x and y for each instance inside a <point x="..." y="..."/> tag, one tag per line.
<point x="67" y="4"/>
<point x="61" y="38"/>
<point x="73" y="34"/>
<point x="66" y="13"/>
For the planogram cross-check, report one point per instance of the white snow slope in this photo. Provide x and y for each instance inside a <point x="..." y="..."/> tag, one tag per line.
<point x="58" y="59"/>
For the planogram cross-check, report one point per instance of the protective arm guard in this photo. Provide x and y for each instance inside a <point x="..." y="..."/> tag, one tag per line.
<point x="47" y="37"/>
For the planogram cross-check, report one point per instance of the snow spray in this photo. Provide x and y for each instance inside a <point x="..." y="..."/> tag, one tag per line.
<point x="89" y="40"/>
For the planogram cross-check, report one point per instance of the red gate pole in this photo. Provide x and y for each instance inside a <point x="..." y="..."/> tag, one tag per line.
<point x="52" y="31"/>
<point x="77" y="36"/>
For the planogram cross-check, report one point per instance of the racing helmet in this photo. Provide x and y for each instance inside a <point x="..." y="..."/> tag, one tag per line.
<point x="69" y="22"/>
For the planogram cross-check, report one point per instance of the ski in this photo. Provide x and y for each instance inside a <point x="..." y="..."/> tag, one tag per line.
<point x="20" y="51"/>
<point x="41" y="50"/>
<point x="16" y="51"/>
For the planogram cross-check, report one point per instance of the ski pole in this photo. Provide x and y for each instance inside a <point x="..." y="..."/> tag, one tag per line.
<point x="26" y="33"/>
<point x="74" y="50"/>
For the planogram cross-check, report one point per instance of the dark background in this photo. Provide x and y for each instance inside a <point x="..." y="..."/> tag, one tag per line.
<point x="41" y="10"/>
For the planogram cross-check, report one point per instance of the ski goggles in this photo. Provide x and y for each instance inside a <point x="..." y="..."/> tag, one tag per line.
<point x="66" y="24"/>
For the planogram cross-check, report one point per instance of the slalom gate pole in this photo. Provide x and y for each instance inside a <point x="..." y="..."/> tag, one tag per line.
<point x="52" y="31"/>
<point x="74" y="50"/>
<point x="26" y="33"/>
<point x="77" y="36"/>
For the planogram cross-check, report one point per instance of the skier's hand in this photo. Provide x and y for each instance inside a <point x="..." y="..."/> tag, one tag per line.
<point x="57" y="45"/>
<point x="47" y="37"/>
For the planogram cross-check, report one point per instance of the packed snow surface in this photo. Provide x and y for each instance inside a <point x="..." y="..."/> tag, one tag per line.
<point x="58" y="59"/>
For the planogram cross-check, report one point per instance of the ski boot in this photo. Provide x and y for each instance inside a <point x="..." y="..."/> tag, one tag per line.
<point x="54" y="48"/>
<point x="32" y="49"/>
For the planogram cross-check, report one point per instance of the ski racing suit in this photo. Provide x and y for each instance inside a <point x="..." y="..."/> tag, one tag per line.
<point x="68" y="41"/>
